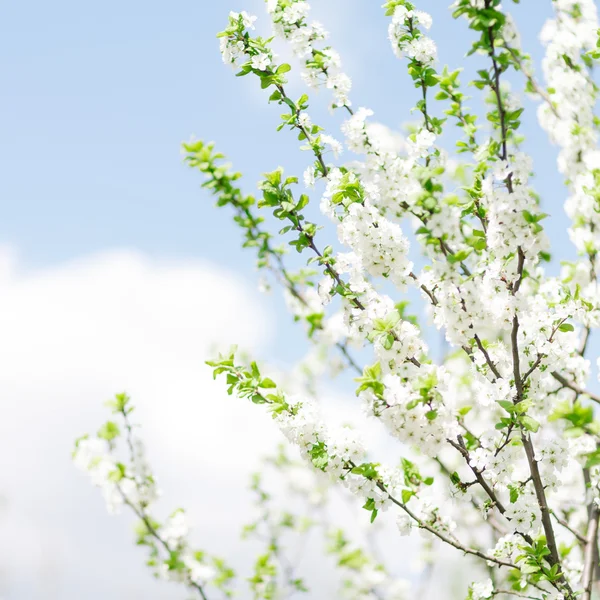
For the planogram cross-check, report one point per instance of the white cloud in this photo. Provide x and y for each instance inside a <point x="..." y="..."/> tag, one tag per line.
<point x="389" y="140"/>
<point x="72" y="336"/>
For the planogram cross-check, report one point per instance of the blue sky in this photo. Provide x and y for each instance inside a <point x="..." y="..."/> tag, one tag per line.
<point x="97" y="98"/>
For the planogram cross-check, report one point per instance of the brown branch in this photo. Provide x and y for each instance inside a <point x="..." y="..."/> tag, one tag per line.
<point x="488" y="359"/>
<point x="489" y="519"/>
<point x="450" y="541"/>
<point x="152" y="531"/>
<point x="591" y="553"/>
<point x="580" y="538"/>
<point x="538" y="485"/>
<point x="514" y="594"/>
<point x="460" y="446"/>
<point x="539" y="90"/>
<point x="573" y="386"/>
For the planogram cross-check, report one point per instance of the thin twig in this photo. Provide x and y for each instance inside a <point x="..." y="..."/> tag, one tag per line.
<point x="573" y="386"/>
<point x="565" y="524"/>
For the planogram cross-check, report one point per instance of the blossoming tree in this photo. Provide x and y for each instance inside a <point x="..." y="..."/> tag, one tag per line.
<point x="500" y="437"/>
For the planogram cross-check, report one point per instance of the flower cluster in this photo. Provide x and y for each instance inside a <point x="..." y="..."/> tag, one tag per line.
<point x="130" y="482"/>
<point x="338" y="452"/>
<point x="569" y="119"/>
<point x="233" y="49"/>
<point x="321" y="66"/>
<point x="512" y="211"/>
<point x="93" y="456"/>
<point x="378" y="242"/>
<point x="412" y="408"/>
<point x="404" y="33"/>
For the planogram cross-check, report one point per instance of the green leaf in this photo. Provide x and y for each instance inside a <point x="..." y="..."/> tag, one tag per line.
<point x="507" y="406"/>
<point x="529" y="423"/>
<point x="593" y="459"/>
<point x="267" y="383"/>
<point x="431" y="415"/>
<point x="109" y="431"/>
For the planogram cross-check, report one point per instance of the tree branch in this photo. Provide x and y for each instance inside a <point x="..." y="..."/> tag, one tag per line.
<point x="572" y="386"/>
<point x="591" y="553"/>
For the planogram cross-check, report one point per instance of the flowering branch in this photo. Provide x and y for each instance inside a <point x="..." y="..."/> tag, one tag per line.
<point x="132" y="484"/>
<point x="510" y="397"/>
<point x="299" y="421"/>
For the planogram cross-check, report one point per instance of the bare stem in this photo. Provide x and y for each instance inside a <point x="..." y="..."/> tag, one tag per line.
<point x="590" y="554"/>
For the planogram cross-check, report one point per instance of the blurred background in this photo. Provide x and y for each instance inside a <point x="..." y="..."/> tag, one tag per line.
<point x="117" y="273"/>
